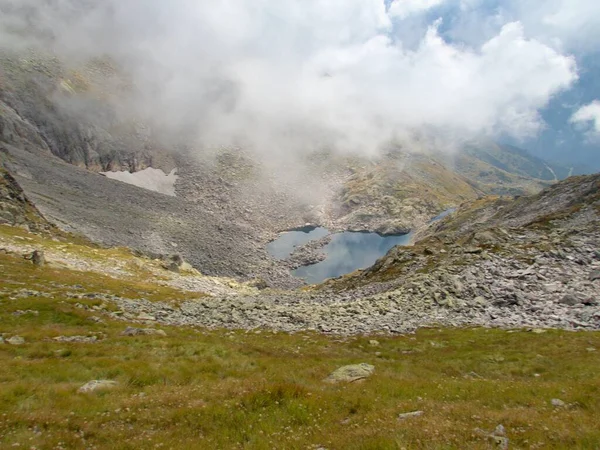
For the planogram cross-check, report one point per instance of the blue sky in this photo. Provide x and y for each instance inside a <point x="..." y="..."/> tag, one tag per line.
<point x="470" y="23"/>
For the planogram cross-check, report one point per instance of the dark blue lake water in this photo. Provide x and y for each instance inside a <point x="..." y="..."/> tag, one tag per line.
<point x="283" y="246"/>
<point x="347" y="251"/>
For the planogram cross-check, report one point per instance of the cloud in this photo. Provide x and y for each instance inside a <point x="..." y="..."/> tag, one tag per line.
<point x="574" y="24"/>
<point x="405" y="8"/>
<point x="587" y="118"/>
<point x="567" y="25"/>
<point x="287" y="77"/>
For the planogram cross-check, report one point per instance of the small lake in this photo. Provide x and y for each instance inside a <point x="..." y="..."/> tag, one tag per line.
<point x="346" y="252"/>
<point x="284" y="245"/>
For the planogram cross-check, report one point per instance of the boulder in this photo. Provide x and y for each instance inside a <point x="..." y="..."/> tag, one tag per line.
<point x="351" y="373"/>
<point x="16" y="340"/>
<point x="259" y="284"/>
<point x="97" y="385"/>
<point x="76" y="339"/>
<point x="410" y="415"/>
<point x="37" y="258"/>
<point x="132" y="331"/>
<point x="570" y="300"/>
<point x="173" y="263"/>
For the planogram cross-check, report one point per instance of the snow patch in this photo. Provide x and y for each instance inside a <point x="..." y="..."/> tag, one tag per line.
<point x="150" y="178"/>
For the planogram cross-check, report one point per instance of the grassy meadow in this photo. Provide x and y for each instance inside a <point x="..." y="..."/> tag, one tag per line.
<point x="236" y="389"/>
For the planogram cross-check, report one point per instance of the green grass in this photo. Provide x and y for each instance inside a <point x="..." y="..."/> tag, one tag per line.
<point x="235" y="389"/>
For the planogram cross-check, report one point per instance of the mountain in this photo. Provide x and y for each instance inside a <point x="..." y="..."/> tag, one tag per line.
<point x="504" y="261"/>
<point x="110" y="338"/>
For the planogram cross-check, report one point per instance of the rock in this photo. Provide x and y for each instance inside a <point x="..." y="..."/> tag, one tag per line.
<point x="485" y="237"/>
<point x="173" y="263"/>
<point x="144" y="316"/>
<point x="76" y="339"/>
<point x="410" y="415"/>
<point x="558" y="403"/>
<point x="497" y="437"/>
<point x="501" y="442"/>
<point x="16" y="340"/>
<point x="37" y="258"/>
<point x="97" y="385"/>
<point x="473" y="250"/>
<point x="188" y="268"/>
<point x="351" y="373"/>
<point x="259" y="284"/>
<point x="480" y="301"/>
<point x="589" y="301"/>
<point x="595" y="275"/>
<point x="131" y="331"/>
<point x="570" y="300"/>
<point x="538" y="331"/>
<point x="374" y="343"/>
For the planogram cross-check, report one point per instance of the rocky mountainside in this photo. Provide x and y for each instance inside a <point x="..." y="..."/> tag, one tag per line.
<point x="72" y="111"/>
<point x="529" y="262"/>
<point x="62" y="123"/>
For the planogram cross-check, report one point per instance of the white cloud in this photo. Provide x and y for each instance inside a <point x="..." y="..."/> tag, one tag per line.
<point x="568" y="25"/>
<point x="588" y="119"/>
<point x="289" y="76"/>
<point x="405" y="8"/>
<point x="573" y="23"/>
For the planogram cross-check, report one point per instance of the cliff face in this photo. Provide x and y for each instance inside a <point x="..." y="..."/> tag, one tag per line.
<point x="48" y="107"/>
<point x="16" y="209"/>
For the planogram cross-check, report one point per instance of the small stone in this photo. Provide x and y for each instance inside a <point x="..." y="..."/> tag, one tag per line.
<point x="173" y="263"/>
<point x="132" y="331"/>
<point x="259" y="284"/>
<point x="77" y="339"/>
<point x="144" y="316"/>
<point x="595" y="275"/>
<point x="558" y="403"/>
<point x="480" y="301"/>
<point x="97" y="385"/>
<point x="351" y="373"/>
<point x="497" y="437"/>
<point x="570" y="300"/>
<point x="538" y="331"/>
<point x="16" y="340"/>
<point x="410" y="415"/>
<point x="374" y="343"/>
<point x="37" y="258"/>
<point x="591" y="349"/>
<point x="500" y="441"/>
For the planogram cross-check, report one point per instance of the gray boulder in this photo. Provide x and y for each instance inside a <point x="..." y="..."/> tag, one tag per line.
<point x="351" y="373"/>
<point x="97" y="385"/>
<point x="570" y="300"/>
<point x="132" y="331"/>
<point x="16" y="340"/>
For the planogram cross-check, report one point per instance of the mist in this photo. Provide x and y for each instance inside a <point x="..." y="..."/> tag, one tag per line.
<point x="288" y="78"/>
